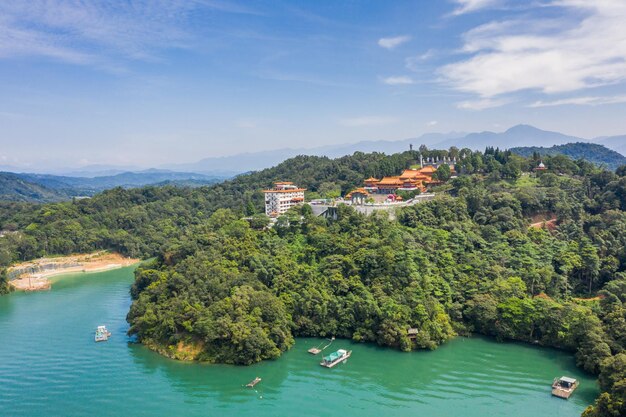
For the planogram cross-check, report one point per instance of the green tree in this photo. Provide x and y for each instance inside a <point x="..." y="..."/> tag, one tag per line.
<point x="443" y="173"/>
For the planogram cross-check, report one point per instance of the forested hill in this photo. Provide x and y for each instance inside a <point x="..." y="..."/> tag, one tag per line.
<point x="224" y="288"/>
<point x="597" y="154"/>
<point x="308" y="171"/>
<point x="138" y="222"/>
<point x="15" y="188"/>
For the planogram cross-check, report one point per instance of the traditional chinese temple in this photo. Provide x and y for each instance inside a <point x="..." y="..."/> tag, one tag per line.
<point x="408" y="180"/>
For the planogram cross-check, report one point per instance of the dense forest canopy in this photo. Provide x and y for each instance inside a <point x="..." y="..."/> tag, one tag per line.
<point x="223" y="288"/>
<point x="139" y="222"/>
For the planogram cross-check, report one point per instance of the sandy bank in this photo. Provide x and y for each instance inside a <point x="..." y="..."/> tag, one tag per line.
<point x="33" y="275"/>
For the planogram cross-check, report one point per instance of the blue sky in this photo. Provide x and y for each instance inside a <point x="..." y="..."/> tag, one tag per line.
<point x="154" y="82"/>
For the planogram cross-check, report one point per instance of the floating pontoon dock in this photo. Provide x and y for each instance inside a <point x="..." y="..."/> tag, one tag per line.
<point x="564" y="387"/>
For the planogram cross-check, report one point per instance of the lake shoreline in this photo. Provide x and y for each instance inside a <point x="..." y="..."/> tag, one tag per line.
<point x="375" y="379"/>
<point x="191" y="352"/>
<point x="34" y="275"/>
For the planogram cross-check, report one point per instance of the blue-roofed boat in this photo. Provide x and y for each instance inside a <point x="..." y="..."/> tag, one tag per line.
<point x="102" y="334"/>
<point x="334" y="358"/>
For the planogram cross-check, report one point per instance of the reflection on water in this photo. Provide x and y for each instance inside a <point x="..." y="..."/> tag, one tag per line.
<point x="48" y="353"/>
<point x="221" y="383"/>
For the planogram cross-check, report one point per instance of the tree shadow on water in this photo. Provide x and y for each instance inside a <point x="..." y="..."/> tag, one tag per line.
<point x="224" y="384"/>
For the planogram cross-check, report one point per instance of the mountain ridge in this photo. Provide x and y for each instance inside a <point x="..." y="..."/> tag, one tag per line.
<point x="521" y="135"/>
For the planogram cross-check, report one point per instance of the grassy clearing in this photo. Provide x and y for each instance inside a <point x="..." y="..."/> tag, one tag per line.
<point x="526" y="180"/>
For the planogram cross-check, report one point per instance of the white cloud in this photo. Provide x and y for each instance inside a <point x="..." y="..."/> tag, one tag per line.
<point x="581" y="101"/>
<point x="390" y="43"/>
<point x="432" y="123"/>
<point x="93" y="32"/>
<point x="415" y="63"/>
<point x="482" y="104"/>
<point x="17" y="41"/>
<point x="398" y="80"/>
<point x="468" y="6"/>
<point x="368" y="121"/>
<point x="427" y="55"/>
<point x="584" y="48"/>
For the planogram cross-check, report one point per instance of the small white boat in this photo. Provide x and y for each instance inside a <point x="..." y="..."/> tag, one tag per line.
<point x="102" y="334"/>
<point x="252" y="383"/>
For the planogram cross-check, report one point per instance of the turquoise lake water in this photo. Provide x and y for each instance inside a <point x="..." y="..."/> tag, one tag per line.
<point x="51" y="366"/>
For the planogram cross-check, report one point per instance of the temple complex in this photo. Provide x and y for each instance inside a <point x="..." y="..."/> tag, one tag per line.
<point x="408" y="180"/>
<point x="375" y="194"/>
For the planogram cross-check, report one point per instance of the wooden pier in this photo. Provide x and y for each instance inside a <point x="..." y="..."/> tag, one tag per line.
<point x="315" y="350"/>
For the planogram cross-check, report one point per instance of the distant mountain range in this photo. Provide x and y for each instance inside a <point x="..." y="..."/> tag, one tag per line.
<point x="254" y="161"/>
<point x="228" y="166"/>
<point x="89" y="186"/>
<point x="517" y="136"/>
<point x="592" y="152"/>
<point x="87" y="181"/>
<point x="48" y="188"/>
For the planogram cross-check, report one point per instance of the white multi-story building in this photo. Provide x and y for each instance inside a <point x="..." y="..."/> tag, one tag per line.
<point x="282" y="197"/>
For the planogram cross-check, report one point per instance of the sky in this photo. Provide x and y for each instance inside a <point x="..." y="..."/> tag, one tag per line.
<point x="153" y="82"/>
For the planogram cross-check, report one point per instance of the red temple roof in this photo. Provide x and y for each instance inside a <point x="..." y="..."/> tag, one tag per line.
<point x="358" y="190"/>
<point x="412" y="174"/>
<point x="391" y="181"/>
<point x="428" y="170"/>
